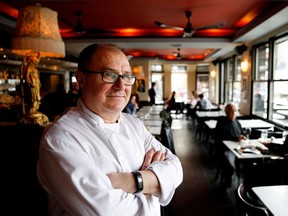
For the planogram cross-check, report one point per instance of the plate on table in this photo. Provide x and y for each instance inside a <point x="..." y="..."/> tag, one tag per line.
<point x="265" y="141"/>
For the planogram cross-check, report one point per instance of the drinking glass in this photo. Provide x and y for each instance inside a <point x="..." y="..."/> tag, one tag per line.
<point x="248" y="132"/>
<point x="284" y="135"/>
<point x="264" y="134"/>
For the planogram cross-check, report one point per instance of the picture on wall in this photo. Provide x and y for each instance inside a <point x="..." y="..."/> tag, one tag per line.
<point x="141" y="85"/>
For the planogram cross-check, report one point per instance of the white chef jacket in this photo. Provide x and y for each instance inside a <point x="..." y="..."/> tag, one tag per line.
<point x="79" y="149"/>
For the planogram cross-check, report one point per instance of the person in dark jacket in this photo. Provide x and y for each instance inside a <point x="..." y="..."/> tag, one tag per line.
<point x="152" y="94"/>
<point x="227" y="128"/>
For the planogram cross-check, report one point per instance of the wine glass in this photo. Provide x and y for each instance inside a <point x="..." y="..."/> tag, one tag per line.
<point x="284" y="135"/>
<point x="248" y="132"/>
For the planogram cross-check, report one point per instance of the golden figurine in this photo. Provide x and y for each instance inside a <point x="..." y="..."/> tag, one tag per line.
<point x="30" y="91"/>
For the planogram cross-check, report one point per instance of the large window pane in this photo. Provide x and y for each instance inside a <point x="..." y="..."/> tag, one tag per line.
<point x="158" y="79"/>
<point x="281" y="59"/>
<point x="238" y="69"/>
<point x="262" y="60"/>
<point x="179" y="85"/>
<point x="203" y="84"/>
<point x="259" y="99"/>
<point x="230" y="69"/>
<point x="236" y="92"/>
<point x="279" y="102"/>
<point x="228" y="92"/>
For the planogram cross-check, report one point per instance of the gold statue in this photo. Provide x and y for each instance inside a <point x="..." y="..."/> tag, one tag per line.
<point x="30" y="88"/>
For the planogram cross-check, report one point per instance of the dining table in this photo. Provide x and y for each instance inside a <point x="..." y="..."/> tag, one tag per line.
<point x="235" y="148"/>
<point x="257" y="167"/>
<point x="150" y="115"/>
<point x="274" y="197"/>
<point x="245" y="123"/>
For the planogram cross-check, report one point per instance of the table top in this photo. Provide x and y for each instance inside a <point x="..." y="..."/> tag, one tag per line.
<point x="150" y="115"/>
<point x="154" y="130"/>
<point x="252" y="123"/>
<point x="232" y="146"/>
<point x="210" y="113"/>
<point x="149" y="122"/>
<point x="255" y="123"/>
<point x="275" y="198"/>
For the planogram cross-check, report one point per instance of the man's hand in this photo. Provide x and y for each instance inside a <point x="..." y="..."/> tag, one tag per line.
<point x="126" y="181"/>
<point x="151" y="157"/>
<point x="242" y="137"/>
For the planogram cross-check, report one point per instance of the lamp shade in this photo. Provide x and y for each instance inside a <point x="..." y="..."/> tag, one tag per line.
<point x="37" y="30"/>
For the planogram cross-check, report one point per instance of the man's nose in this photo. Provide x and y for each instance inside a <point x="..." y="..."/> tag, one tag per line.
<point x="120" y="83"/>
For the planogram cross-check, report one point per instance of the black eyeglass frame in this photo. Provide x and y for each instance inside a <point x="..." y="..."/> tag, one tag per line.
<point x="118" y="76"/>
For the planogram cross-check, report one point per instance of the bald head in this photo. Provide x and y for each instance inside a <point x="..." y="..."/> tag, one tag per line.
<point x="86" y="56"/>
<point x="231" y="110"/>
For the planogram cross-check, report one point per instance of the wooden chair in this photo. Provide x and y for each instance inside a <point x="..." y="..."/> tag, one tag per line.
<point x="246" y="207"/>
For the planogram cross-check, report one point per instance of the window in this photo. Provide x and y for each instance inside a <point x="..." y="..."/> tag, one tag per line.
<point x="157" y="77"/>
<point x="202" y="80"/>
<point x="232" y="79"/>
<point x="260" y="85"/>
<point x="157" y="68"/>
<point x="279" y="93"/>
<point x="270" y="97"/>
<point x="179" y="81"/>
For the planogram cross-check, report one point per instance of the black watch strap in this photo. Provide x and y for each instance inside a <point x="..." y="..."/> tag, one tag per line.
<point x="139" y="181"/>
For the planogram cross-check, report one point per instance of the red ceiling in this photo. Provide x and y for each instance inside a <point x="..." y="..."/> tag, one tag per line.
<point x="135" y="19"/>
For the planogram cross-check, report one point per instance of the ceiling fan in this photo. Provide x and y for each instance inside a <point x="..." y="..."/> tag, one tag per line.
<point x="177" y="54"/>
<point x="79" y="28"/>
<point x="189" y="30"/>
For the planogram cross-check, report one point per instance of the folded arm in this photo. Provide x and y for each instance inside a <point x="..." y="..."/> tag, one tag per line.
<point x="126" y="181"/>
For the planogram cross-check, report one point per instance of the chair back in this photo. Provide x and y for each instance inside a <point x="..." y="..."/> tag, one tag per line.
<point x="167" y="138"/>
<point x="246" y="207"/>
<point x="166" y="118"/>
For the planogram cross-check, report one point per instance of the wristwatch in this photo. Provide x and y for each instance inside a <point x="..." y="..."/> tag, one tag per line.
<point x="139" y="181"/>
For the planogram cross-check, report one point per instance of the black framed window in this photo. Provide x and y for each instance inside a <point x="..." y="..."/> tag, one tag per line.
<point x="270" y="81"/>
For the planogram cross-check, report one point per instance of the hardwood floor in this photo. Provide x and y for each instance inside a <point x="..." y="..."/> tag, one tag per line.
<point x="198" y="195"/>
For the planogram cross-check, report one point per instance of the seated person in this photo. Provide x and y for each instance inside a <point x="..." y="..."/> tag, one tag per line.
<point x="259" y="103"/>
<point x="202" y="103"/>
<point x="227" y="128"/>
<point x="132" y="106"/>
<point x="170" y="103"/>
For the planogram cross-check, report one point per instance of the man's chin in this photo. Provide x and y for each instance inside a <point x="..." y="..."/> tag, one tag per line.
<point x="116" y="107"/>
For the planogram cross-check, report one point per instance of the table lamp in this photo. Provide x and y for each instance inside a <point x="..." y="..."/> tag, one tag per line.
<point x="36" y="35"/>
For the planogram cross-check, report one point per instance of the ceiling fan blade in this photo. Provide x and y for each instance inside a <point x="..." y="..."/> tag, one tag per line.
<point x="219" y="25"/>
<point x="162" y="25"/>
<point x="98" y="31"/>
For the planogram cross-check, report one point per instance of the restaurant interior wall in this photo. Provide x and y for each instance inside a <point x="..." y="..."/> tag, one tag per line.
<point x="143" y="96"/>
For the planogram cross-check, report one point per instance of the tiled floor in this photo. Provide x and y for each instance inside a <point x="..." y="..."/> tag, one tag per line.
<point x="198" y="195"/>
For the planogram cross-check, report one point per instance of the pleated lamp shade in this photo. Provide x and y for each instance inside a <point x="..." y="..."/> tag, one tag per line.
<point x="37" y="30"/>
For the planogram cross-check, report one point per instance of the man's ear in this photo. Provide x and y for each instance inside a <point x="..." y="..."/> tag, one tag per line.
<point x="80" y="78"/>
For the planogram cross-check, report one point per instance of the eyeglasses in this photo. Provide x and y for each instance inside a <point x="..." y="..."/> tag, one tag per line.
<point x="110" y="77"/>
